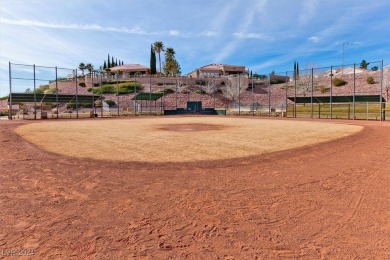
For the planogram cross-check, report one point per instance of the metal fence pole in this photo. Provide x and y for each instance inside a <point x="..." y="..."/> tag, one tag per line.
<point x="10" y="92"/>
<point x="56" y="91"/>
<point x="150" y="94"/>
<point x="214" y="92"/>
<point x="286" y="93"/>
<point x="331" y="90"/>
<point x="295" y="96"/>
<point x="117" y="90"/>
<point x="269" y="95"/>
<point x="93" y="95"/>
<point x="135" y="94"/>
<point x="77" y="98"/>
<point x="312" y="92"/>
<point x="354" y="91"/>
<point x="176" y="96"/>
<point x="239" y="95"/>
<point x="35" y="95"/>
<point x="381" y="95"/>
<point x="101" y="95"/>
<point x="253" y="97"/>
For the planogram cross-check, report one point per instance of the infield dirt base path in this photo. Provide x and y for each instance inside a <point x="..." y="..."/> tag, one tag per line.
<point x="328" y="201"/>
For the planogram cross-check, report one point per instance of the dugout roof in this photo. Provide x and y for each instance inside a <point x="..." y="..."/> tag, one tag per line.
<point x="148" y="96"/>
<point x="337" y="99"/>
<point x="62" y="98"/>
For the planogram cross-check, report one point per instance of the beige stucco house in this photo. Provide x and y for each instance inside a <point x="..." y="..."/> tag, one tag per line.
<point x="131" y="69"/>
<point x="217" y="70"/>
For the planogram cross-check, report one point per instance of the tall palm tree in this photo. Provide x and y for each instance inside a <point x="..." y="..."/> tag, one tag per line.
<point x="159" y="47"/>
<point x="89" y="67"/>
<point x="171" y="65"/>
<point x="82" y="67"/>
<point x="170" y="53"/>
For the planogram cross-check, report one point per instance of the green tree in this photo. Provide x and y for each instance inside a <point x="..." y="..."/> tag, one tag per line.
<point x="108" y="62"/>
<point x="152" y="61"/>
<point x="82" y="68"/>
<point x="364" y="64"/>
<point x="171" y="66"/>
<point x="105" y="65"/>
<point x="89" y="67"/>
<point x="375" y="68"/>
<point x="112" y="62"/>
<point x="159" y="47"/>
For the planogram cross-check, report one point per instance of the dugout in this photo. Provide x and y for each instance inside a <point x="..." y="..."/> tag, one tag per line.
<point x="339" y="107"/>
<point x="43" y="106"/>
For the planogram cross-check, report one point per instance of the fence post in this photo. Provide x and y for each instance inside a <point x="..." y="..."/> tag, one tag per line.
<point x="381" y="95"/>
<point x="295" y="95"/>
<point x="354" y="92"/>
<point x="10" y="92"/>
<point x="35" y="95"/>
<point x="331" y="90"/>
<point x="56" y="92"/>
<point x="77" y="98"/>
<point x="269" y="95"/>
<point x="101" y="95"/>
<point x="286" y="93"/>
<point x="312" y="90"/>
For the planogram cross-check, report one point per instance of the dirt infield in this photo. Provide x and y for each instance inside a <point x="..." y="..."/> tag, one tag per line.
<point x="323" y="201"/>
<point x="177" y="139"/>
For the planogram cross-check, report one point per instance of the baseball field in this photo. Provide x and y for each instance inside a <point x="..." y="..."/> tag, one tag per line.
<point x="196" y="187"/>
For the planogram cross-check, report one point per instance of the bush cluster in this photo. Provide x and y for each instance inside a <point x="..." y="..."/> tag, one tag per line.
<point x="370" y="80"/>
<point x="339" y="82"/>
<point x="111" y="88"/>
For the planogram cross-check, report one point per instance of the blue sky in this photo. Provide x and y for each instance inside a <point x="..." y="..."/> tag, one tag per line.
<point x="263" y="35"/>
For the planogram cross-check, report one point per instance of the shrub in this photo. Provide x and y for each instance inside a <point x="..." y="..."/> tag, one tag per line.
<point x="73" y="105"/>
<point x="89" y="89"/>
<point x="167" y="91"/>
<point x="4" y="98"/>
<point x="82" y="84"/>
<point x="339" y="82"/>
<point x="277" y="81"/>
<point x="370" y="80"/>
<point x="218" y="91"/>
<point x="201" y="82"/>
<point x="322" y="89"/>
<point x="200" y="91"/>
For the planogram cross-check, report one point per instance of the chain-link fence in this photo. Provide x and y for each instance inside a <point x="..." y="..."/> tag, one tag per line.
<point x="345" y="92"/>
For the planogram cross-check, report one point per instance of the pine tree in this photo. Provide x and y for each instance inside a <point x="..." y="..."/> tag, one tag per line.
<point x="122" y="62"/>
<point x="112" y="62"/>
<point x="153" y="69"/>
<point x="105" y="65"/>
<point x="116" y="62"/>
<point x="295" y="70"/>
<point x="364" y="64"/>
<point x="108" y="62"/>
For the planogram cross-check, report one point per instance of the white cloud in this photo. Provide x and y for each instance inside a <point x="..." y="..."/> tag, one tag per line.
<point x="314" y="39"/>
<point x="73" y="26"/>
<point x="174" y="33"/>
<point x="259" y="36"/>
